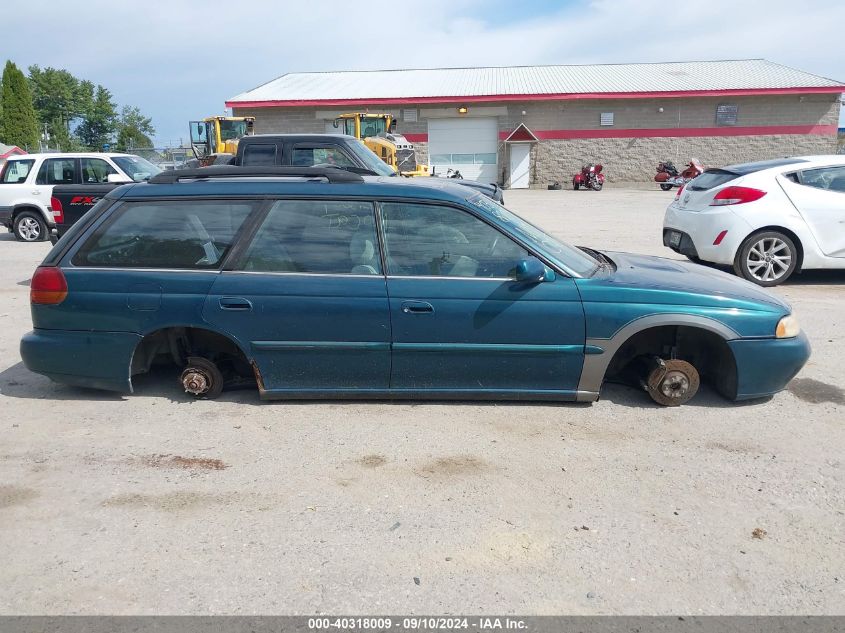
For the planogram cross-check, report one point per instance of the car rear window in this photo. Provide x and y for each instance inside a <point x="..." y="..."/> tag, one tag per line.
<point x="182" y="234"/>
<point x="717" y="177"/>
<point x="16" y="171"/>
<point x="711" y="178"/>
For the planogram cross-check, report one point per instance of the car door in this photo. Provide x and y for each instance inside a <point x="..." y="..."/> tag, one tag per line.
<point x="308" y="299"/>
<point x="461" y="322"/>
<point x="819" y="196"/>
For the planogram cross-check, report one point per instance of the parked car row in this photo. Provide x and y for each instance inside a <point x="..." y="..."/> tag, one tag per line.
<point x="317" y="282"/>
<point x="27" y="182"/>
<point x="306" y="270"/>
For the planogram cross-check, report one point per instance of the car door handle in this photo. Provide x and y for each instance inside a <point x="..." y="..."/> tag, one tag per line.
<point x="234" y="303"/>
<point x="417" y="307"/>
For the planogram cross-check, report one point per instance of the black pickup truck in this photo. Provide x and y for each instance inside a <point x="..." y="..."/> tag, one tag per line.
<point x="71" y="202"/>
<point x="329" y="150"/>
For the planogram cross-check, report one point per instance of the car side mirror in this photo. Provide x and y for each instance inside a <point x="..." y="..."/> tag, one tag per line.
<point x="117" y="179"/>
<point x="532" y="270"/>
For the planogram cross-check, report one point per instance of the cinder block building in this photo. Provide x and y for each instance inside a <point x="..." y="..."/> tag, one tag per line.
<point x="532" y="125"/>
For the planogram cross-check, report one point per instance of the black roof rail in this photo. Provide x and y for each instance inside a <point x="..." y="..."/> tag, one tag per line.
<point x="332" y="174"/>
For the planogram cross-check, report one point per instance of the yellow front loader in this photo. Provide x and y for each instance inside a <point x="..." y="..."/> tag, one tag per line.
<point x="378" y="132"/>
<point x="215" y="138"/>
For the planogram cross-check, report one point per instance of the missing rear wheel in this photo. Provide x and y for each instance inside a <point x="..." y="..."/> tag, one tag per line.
<point x="201" y="378"/>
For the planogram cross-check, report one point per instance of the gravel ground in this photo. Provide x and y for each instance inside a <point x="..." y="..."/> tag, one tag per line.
<point x="154" y="503"/>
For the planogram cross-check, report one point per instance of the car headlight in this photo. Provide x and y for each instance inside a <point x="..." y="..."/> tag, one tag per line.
<point x="787" y="327"/>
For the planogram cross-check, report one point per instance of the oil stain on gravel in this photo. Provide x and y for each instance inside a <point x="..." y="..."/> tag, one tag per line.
<point x="452" y="466"/>
<point x="816" y="391"/>
<point x="184" y="463"/>
<point x="15" y="495"/>
<point x="170" y="502"/>
<point x="372" y="461"/>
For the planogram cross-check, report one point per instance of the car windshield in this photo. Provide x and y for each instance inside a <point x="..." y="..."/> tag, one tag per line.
<point x="137" y="168"/>
<point x="370" y="160"/>
<point x="572" y="259"/>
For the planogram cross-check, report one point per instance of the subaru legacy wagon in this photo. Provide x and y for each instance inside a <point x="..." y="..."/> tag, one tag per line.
<point x="320" y="283"/>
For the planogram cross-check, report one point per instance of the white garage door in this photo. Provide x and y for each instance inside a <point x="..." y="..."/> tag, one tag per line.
<point x="466" y="144"/>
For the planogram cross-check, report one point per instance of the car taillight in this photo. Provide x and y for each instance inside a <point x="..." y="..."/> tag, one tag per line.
<point x="736" y="195"/>
<point x="680" y="189"/>
<point x="48" y="286"/>
<point x="58" y="211"/>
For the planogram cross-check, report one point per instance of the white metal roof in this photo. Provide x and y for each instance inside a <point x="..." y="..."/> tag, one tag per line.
<point x="598" y="80"/>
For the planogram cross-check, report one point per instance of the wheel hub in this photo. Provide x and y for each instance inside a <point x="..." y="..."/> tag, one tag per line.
<point x="674" y="385"/>
<point x="195" y="382"/>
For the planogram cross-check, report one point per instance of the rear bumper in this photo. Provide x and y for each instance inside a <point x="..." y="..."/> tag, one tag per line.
<point x="100" y="360"/>
<point x="765" y="366"/>
<point x="701" y="228"/>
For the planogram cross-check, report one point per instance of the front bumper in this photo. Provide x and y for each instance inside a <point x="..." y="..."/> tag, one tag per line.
<point x="699" y="229"/>
<point x="765" y="366"/>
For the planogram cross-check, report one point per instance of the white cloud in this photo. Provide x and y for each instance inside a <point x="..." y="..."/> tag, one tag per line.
<point x="180" y="60"/>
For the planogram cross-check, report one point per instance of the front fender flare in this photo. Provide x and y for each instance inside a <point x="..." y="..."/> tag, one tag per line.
<point x="600" y="351"/>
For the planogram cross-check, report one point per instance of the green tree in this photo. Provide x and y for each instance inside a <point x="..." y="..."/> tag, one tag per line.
<point x="20" y="124"/>
<point x="58" y="101"/>
<point x="134" y="130"/>
<point x="100" y="123"/>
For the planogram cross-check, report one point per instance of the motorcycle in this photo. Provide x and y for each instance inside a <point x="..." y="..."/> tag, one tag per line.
<point x="590" y="177"/>
<point x="668" y="177"/>
<point x="450" y="173"/>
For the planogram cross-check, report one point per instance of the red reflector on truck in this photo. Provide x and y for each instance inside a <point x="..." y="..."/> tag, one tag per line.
<point x="58" y="211"/>
<point x="720" y="237"/>
<point x="48" y="286"/>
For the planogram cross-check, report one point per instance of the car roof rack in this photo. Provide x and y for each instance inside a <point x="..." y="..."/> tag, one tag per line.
<point x="332" y="174"/>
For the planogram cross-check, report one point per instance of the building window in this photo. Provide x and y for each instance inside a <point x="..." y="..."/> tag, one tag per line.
<point x="726" y="114"/>
<point x="606" y="118"/>
<point x="409" y="115"/>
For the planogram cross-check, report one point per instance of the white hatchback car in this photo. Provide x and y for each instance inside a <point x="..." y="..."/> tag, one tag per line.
<point x="766" y="219"/>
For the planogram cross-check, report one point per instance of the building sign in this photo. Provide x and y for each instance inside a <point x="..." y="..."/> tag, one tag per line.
<point x="726" y="114"/>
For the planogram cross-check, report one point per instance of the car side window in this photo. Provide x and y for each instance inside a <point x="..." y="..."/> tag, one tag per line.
<point x="16" y="171"/>
<point x="57" y="171"/>
<point x="440" y="241"/>
<point x="96" y="170"/>
<point x="309" y="156"/>
<point x="187" y="234"/>
<point x="830" y="178"/>
<point x="316" y="236"/>
<point x="259" y="154"/>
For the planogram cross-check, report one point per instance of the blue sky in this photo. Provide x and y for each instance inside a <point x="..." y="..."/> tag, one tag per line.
<point x="182" y="59"/>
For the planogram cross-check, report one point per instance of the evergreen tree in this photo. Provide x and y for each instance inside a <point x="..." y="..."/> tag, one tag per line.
<point x="20" y="124"/>
<point x="100" y="122"/>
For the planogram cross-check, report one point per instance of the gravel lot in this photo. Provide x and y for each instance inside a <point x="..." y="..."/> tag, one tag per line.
<point x="155" y="503"/>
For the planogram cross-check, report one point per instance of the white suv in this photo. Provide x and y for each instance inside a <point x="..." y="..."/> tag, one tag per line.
<point x="26" y="184"/>
<point x="766" y="219"/>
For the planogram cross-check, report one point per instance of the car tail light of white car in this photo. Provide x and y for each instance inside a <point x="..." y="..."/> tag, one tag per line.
<point x="736" y="195"/>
